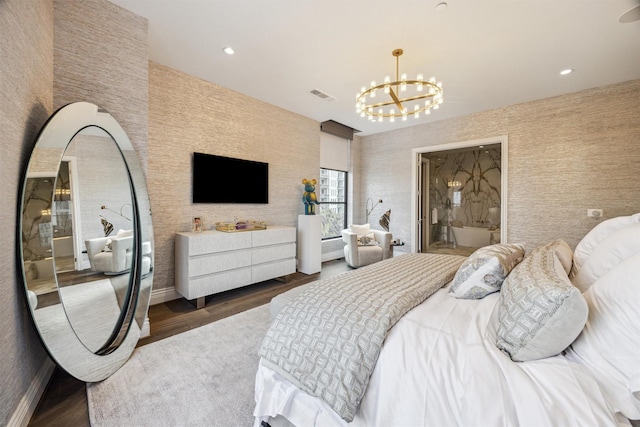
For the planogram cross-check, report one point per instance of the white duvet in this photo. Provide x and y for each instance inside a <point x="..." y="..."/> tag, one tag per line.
<point x="439" y="366"/>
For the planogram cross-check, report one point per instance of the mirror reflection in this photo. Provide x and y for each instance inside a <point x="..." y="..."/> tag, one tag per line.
<point x="86" y="241"/>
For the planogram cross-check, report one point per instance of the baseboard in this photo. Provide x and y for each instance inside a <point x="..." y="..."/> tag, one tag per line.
<point x="330" y="256"/>
<point x="27" y="405"/>
<point x="158" y="296"/>
<point x="146" y="328"/>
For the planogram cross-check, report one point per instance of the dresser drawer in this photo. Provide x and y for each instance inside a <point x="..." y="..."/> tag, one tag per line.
<point x="218" y="262"/>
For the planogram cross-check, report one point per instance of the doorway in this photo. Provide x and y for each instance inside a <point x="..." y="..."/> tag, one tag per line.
<point x="65" y="214"/>
<point x="460" y="193"/>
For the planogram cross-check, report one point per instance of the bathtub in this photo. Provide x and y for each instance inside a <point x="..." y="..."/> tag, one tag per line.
<point x="474" y="237"/>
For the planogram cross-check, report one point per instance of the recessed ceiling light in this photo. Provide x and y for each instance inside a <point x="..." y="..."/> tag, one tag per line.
<point x="566" y="71"/>
<point x="228" y="50"/>
<point x="441" y="6"/>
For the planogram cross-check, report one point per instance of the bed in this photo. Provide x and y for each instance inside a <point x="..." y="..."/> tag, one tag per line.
<point x="550" y="338"/>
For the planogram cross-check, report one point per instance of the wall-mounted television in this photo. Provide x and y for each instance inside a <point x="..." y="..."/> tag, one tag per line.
<point x="218" y="179"/>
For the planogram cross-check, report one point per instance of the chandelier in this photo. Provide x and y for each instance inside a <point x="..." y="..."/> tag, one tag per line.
<point x="404" y="96"/>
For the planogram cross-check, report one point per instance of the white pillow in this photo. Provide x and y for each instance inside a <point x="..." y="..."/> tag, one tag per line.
<point x="609" y="345"/>
<point x="360" y="230"/>
<point x="597" y="235"/>
<point x="618" y="246"/>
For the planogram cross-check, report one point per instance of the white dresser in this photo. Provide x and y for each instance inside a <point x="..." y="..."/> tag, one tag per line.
<point x="214" y="261"/>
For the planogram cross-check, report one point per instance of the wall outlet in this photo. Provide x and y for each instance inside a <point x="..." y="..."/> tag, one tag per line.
<point x="594" y="213"/>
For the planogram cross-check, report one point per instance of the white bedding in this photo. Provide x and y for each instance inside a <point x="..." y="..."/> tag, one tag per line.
<point x="452" y="374"/>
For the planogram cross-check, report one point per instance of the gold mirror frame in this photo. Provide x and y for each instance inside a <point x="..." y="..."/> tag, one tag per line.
<point x="131" y="289"/>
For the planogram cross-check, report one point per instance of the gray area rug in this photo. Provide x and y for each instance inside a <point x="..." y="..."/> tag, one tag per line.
<point x="202" y="377"/>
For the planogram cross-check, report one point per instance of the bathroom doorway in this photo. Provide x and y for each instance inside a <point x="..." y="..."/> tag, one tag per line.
<point x="460" y="196"/>
<point x="65" y="219"/>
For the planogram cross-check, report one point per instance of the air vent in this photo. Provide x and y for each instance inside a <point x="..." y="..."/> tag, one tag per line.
<point x="322" y="95"/>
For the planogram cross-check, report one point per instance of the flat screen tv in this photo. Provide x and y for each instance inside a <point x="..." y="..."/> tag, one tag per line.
<point x="218" y="179"/>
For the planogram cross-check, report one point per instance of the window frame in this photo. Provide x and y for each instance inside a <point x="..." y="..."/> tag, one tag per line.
<point x="345" y="203"/>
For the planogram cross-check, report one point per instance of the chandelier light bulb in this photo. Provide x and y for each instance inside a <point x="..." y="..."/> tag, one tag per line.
<point x="391" y="96"/>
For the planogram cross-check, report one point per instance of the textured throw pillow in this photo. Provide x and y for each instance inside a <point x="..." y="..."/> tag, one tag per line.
<point x="609" y="343"/>
<point x="484" y="271"/>
<point x="366" y="239"/>
<point x="540" y="311"/>
<point x="564" y="254"/>
<point x="597" y="234"/>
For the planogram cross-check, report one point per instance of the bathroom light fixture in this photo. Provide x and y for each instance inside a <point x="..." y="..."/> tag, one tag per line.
<point x="566" y="71"/>
<point x="423" y="96"/>
<point x="228" y="50"/>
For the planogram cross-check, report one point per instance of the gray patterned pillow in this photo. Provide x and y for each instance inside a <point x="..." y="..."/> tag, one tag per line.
<point x="540" y="311"/>
<point x="484" y="271"/>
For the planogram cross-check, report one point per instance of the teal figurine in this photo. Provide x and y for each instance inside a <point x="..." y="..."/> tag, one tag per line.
<point x="309" y="197"/>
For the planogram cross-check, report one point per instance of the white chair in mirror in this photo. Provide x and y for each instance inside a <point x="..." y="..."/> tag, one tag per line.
<point x="112" y="255"/>
<point x="365" y="246"/>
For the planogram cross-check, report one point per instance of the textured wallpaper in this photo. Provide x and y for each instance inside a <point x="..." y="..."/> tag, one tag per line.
<point x="187" y="114"/>
<point x="26" y="31"/>
<point x="566" y="154"/>
<point x="101" y="56"/>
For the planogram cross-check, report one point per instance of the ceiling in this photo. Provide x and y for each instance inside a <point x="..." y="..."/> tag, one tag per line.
<point x="488" y="53"/>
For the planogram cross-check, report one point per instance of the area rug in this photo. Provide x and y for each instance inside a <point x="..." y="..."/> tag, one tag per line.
<point x="204" y="376"/>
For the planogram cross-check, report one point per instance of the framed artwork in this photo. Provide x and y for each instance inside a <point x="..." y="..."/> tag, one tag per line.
<point x="197" y="224"/>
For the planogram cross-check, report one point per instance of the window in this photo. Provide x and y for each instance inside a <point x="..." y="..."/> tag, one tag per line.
<point x="333" y="202"/>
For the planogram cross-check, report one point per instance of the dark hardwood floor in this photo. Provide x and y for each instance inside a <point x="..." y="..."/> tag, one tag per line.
<point x="64" y="402"/>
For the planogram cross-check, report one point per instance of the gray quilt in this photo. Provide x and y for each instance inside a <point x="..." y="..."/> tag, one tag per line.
<point x="327" y="340"/>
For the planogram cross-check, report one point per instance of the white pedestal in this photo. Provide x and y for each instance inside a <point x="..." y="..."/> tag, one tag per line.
<point x="309" y="244"/>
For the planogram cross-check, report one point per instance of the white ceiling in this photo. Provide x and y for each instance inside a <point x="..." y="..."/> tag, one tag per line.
<point x="487" y="53"/>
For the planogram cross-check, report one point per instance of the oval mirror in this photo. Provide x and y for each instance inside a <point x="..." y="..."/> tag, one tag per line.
<point x="86" y="241"/>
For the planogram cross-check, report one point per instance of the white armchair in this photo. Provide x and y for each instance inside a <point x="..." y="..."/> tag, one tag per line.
<point x="365" y="246"/>
<point x="116" y="259"/>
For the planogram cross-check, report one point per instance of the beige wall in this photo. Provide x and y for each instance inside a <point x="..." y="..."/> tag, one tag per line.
<point x="566" y="154"/>
<point x="187" y="114"/>
<point x="26" y="64"/>
<point x="101" y="56"/>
